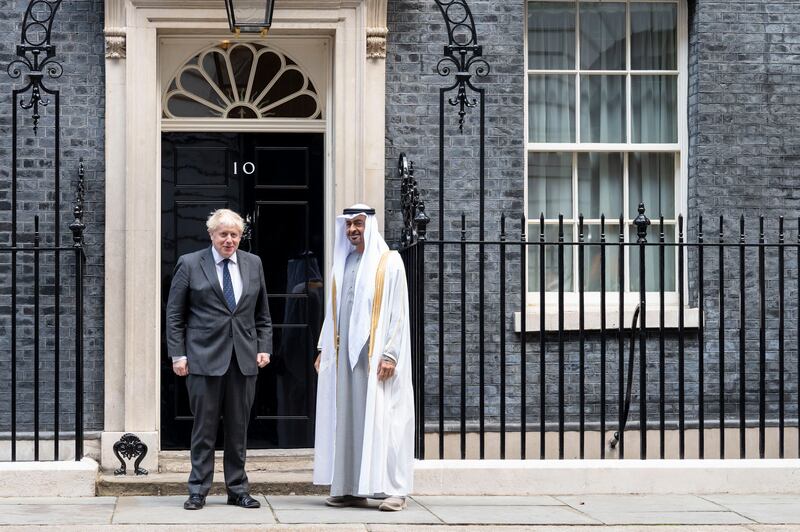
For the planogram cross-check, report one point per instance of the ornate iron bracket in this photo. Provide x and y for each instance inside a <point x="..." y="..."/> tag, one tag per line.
<point x="462" y="54"/>
<point x="247" y="234"/>
<point x="77" y="226"/>
<point x="641" y="222"/>
<point x="36" y="57"/>
<point x="415" y="221"/>
<point x="130" y="446"/>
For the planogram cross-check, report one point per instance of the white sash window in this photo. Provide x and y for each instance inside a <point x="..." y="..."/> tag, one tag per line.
<point x="606" y="129"/>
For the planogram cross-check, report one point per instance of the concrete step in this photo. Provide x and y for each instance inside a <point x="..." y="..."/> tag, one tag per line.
<point x="274" y="460"/>
<point x="266" y="482"/>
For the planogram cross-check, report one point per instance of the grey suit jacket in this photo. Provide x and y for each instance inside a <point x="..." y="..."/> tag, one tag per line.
<point x="202" y="328"/>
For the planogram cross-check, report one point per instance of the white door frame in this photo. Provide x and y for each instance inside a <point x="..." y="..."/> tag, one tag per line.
<point x="354" y="172"/>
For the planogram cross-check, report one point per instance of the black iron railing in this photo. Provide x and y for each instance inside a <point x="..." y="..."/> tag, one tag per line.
<point x="38" y="318"/>
<point x="41" y="276"/>
<point x="546" y="372"/>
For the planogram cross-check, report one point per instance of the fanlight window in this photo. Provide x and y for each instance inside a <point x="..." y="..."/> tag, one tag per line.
<point x="242" y="80"/>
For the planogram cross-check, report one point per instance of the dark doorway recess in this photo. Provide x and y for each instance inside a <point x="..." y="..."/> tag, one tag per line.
<point x="277" y="182"/>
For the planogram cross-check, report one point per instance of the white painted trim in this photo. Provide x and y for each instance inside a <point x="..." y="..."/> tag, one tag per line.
<point x="277" y="125"/>
<point x="133" y="354"/>
<point x="592" y="318"/>
<point x="602" y="147"/>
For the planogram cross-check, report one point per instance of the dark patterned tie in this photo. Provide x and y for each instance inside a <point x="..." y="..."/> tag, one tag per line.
<point x="227" y="286"/>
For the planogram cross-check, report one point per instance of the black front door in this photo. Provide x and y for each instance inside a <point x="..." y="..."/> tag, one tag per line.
<point x="276" y="182"/>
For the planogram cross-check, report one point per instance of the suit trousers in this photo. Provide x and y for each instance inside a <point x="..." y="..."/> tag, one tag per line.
<point x="231" y="396"/>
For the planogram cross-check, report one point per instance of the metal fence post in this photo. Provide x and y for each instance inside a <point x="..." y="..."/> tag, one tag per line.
<point x="641" y="222"/>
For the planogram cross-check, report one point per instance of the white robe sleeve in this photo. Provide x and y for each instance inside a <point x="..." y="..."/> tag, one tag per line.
<point x="394" y="332"/>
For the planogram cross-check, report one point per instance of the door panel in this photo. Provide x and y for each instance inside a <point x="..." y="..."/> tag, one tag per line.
<point x="276" y="180"/>
<point x="287" y="206"/>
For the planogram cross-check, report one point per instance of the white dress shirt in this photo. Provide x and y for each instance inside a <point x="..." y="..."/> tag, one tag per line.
<point x="236" y="279"/>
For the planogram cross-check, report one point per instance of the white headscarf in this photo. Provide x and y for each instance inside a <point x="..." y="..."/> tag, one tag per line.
<point x="374" y="247"/>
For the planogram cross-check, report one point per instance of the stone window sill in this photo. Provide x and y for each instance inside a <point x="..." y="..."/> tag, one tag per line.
<point x="691" y="318"/>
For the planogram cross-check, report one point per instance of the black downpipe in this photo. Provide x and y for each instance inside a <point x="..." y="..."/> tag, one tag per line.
<point x="629" y="385"/>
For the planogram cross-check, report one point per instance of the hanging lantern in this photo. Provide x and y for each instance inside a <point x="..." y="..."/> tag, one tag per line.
<point x="249" y="16"/>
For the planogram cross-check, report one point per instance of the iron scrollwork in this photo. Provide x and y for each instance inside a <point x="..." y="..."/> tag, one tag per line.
<point x="77" y="226"/>
<point x="130" y="446"/>
<point x="415" y="221"/>
<point x="462" y="54"/>
<point x="36" y="57"/>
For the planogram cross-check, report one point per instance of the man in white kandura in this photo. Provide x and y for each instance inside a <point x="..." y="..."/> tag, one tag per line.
<point x="364" y="445"/>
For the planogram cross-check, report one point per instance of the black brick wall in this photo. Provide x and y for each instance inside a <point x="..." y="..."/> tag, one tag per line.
<point x="417" y="35"/>
<point x="744" y="71"/>
<point x="78" y="39"/>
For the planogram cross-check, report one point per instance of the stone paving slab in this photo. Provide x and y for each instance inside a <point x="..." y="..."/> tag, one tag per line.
<point x="398" y="528"/>
<point x="609" y="513"/>
<point x="765" y="509"/>
<point x="732" y="499"/>
<point x="670" y="518"/>
<point x="571" y="528"/>
<point x="640" y="503"/>
<point x="311" y="509"/>
<point x="510" y="515"/>
<point x="77" y="501"/>
<point x="486" y="500"/>
<point x="169" y="510"/>
<point x="653" y="510"/>
<point x="56" y="514"/>
<point x="195" y="528"/>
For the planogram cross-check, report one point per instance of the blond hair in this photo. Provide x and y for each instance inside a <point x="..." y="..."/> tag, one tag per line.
<point x="224" y="217"/>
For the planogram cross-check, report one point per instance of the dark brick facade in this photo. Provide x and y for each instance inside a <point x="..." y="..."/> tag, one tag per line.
<point x="744" y="66"/>
<point x="744" y="146"/>
<point x="78" y="38"/>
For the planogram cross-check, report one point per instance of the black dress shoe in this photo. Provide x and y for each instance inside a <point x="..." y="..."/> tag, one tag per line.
<point x="194" y="502"/>
<point x="243" y="500"/>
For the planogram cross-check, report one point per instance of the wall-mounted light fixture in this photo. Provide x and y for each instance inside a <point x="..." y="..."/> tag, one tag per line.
<point x="250" y="16"/>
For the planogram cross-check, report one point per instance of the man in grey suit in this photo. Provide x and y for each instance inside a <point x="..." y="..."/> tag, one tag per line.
<point x="219" y="334"/>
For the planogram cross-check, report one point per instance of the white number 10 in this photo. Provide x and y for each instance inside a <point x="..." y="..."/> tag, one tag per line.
<point x="248" y="168"/>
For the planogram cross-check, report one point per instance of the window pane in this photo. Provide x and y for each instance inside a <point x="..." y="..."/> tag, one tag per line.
<point x="652" y="182"/>
<point x="551" y="35"/>
<point x="599" y="184"/>
<point x="654" y="36"/>
<point x="551" y="253"/>
<point x="549" y="185"/>
<point x="603" y="109"/>
<point x="602" y="36"/>
<point x="551" y="108"/>
<point x="654" y="101"/>
<point x="651" y="260"/>
<point x="593" y="258"/>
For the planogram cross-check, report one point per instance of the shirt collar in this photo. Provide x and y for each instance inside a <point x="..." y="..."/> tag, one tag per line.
<point x="219" y="258"/>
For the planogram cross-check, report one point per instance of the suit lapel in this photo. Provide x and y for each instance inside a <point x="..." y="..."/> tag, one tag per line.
<point x="210" y="270"/>
<point x="244" y="270"/>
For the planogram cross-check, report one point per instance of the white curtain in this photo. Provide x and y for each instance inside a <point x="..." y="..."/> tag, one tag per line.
<point x="654" y="102"/>
<point x="653" y="36"/>
<point x="551" y="98"/>
<point x="600" y="184"/>
<point x="602" y="108"/>
<point x="652" y="181"/>
<point x="549" y="185"/>
<point x="602" y="36"/>
<point x="653" y="47"/>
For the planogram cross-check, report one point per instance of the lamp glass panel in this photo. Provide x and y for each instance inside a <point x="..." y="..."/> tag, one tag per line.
<point x="251" y="12"/>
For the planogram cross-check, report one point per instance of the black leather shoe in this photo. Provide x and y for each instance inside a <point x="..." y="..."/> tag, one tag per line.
<point x="194" y="502"/>
<point x="243" y="500"/>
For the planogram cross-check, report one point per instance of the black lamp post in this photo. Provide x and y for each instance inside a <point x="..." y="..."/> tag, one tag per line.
<point x="250" y="16"/>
